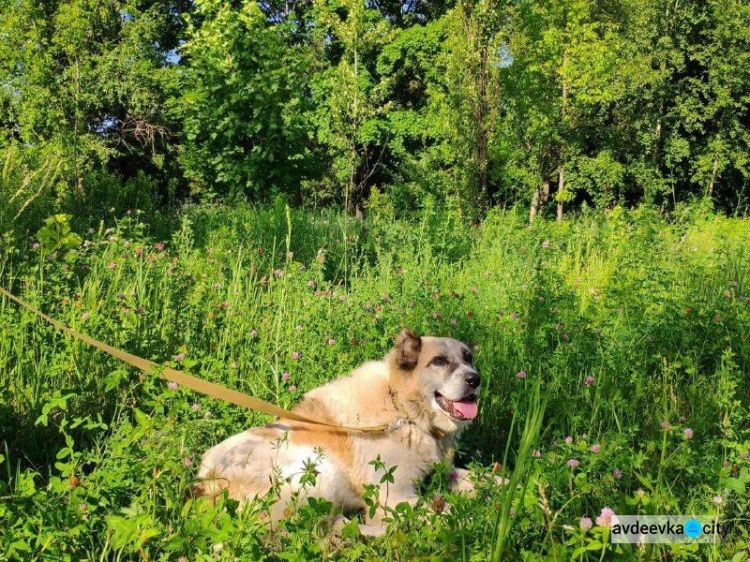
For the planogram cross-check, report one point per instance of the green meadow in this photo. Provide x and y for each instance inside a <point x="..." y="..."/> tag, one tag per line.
<point x="631" y="331"/>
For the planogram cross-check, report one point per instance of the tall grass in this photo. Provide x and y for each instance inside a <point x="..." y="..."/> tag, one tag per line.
<point x="622" y="323"/>
<point x="520" y="477"/>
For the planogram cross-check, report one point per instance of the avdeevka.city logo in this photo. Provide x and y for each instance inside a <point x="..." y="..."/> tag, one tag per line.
<point x="693" y="528"/>
<point x="640" y="529"/>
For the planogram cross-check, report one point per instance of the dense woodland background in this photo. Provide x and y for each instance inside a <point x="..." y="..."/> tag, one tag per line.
<point x="473" y="103"/>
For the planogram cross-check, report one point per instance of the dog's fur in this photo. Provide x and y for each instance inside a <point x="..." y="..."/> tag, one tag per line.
<point x="409" y="384"/>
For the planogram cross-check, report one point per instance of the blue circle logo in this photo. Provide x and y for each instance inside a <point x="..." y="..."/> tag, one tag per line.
<point x="693" y="528"/>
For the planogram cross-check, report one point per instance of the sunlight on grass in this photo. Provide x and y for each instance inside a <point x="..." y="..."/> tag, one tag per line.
<point x="613" y="351"/>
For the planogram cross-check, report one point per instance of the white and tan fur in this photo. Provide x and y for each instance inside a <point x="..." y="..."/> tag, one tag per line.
<point x="407" y="384"/>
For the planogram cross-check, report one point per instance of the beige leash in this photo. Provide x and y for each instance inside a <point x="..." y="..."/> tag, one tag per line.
<point x="198" y="385"/>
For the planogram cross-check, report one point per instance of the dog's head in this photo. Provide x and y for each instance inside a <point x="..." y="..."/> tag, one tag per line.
<point x="435" y="377"/>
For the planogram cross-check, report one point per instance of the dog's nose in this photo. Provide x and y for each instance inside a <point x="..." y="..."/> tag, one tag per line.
<point x="472" y="379"/>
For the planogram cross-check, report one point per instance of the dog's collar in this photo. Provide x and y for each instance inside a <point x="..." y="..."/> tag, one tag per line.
<point x="398" y="424"/>
<point x="403" y="420"/>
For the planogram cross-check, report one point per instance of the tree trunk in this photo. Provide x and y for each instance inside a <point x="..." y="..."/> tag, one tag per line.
<point x="482" y="132"/>
<point x="564" y="112"/>
<point x="539" y="201"/>
<point x="560" y="187"/>
<point x="657" y="140"/>
<point x="535" y="204"/>
<point x="713" y="178"/>
<point x="351" y="184"/>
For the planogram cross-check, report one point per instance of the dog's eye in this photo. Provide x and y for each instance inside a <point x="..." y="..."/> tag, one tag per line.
<point x="439" y="361"/>
<point x="468" y="357"/>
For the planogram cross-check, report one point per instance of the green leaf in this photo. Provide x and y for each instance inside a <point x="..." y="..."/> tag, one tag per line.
<point x="350" y="530"/>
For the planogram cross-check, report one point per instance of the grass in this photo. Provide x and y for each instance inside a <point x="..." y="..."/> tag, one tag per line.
<point x="632" y="333"/>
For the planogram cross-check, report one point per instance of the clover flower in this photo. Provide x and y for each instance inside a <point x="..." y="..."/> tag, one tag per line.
<point x="605" y="517"/>
<point x="439" y="504"/>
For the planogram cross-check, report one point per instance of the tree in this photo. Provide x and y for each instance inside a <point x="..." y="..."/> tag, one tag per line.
<point x="412" y="71"/>
<point x="84" y="85"/>
<point x="471" y="102"/>
<point x="350" y="107"/>
<point x="572" y="71"/>
<point x="537" y="88"/>
<point x="243" y="107"/>
<point x="723" y="50"/>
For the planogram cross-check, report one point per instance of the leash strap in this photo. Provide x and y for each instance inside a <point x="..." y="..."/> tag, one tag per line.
<point x="194" y="383"/>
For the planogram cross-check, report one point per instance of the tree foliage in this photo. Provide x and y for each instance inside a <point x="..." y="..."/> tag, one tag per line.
<point x="83" y="84"/>
<point x="542" y="103"/>
<point x="242" y="103"/>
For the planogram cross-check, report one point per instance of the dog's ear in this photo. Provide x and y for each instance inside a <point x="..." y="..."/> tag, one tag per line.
<point x="408" y="347"/>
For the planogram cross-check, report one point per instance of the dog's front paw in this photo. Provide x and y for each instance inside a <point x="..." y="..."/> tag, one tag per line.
<point x="371" y="530"/>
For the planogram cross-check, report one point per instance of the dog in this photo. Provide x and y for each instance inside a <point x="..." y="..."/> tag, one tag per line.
<point x="425" y="390"/>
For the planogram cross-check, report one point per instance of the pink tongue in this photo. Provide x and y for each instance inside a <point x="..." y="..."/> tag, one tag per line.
<point x="467" y="408"/>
